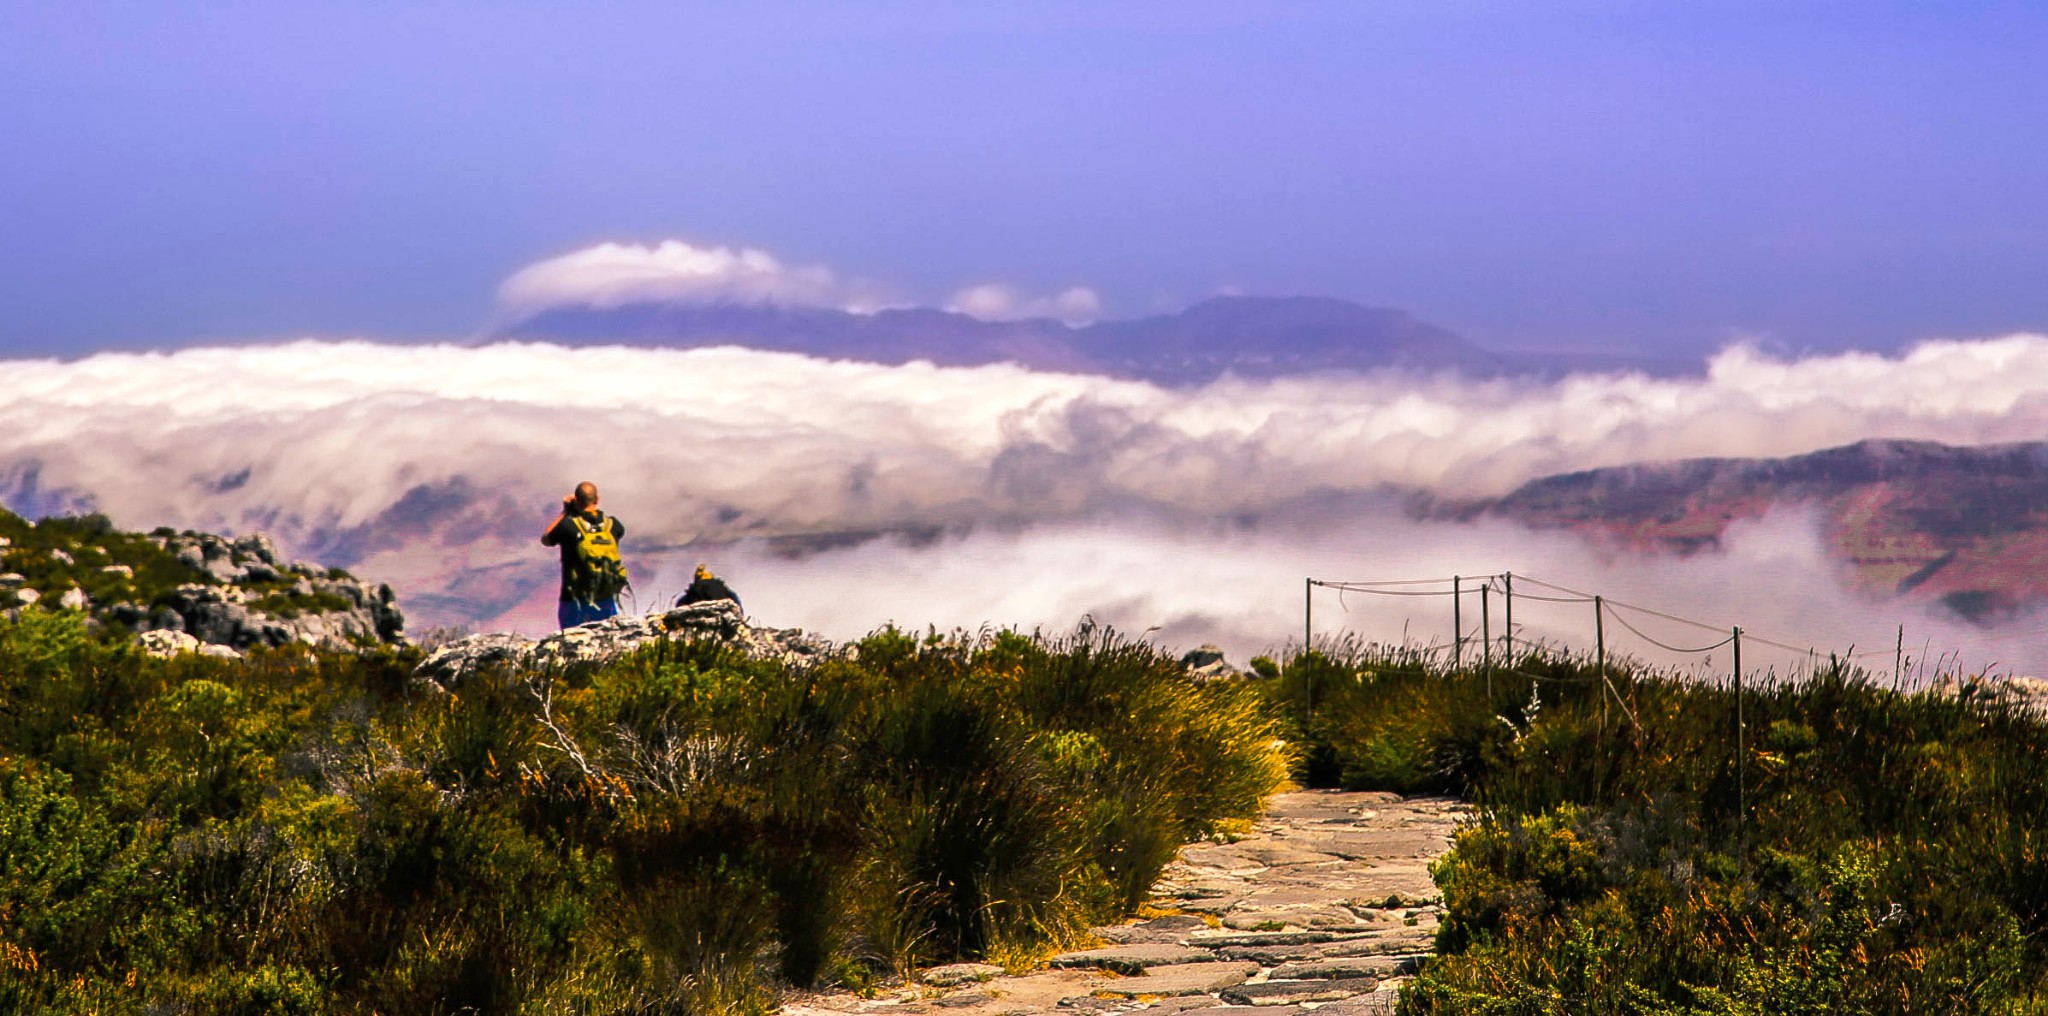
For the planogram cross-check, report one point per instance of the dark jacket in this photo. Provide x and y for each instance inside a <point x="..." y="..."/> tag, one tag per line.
<point x="706" y="590"/>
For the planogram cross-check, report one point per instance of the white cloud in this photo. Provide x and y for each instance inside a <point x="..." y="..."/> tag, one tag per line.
<point x="612" y="274"/>
<point x="996" y="301"/>
<point x="435" y="466"/>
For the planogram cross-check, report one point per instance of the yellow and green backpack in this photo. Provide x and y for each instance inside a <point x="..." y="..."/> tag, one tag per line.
<point x="597" y="573"/>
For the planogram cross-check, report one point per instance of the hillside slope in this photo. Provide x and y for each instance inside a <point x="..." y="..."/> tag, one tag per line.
<point x="1967" y="527"/>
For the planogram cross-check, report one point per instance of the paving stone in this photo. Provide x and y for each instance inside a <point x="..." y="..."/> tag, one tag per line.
<point x="1333" y="967"/>
<point x="1382" y="945"/>
<point x="1271" y="993"/>
<point x="960" y="973"/>
<point x="1180" y="979"/>
<point x="1129" y="959"/>
<point x="1221" y="940"/>
<point x="1383" y="1002"/>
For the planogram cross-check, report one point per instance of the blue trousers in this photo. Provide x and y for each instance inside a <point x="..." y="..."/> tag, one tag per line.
<point x="571" y="613"/>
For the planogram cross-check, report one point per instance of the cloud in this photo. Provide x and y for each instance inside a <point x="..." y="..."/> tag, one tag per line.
<point x="997" y="301"/>
<point x="435" y="467"/>
<point x="612" y="274"/>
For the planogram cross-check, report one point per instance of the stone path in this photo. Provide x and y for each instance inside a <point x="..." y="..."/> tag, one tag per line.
<point x="1326" y="906"/>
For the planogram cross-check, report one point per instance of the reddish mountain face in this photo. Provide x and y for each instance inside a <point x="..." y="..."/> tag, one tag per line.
<point x="1967" y="527"/>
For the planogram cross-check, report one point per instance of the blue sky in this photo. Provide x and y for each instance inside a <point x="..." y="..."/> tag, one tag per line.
<point x="1628" y="176"/>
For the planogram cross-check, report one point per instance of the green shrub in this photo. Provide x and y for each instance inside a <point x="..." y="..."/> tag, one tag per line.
<point x="1869" y="851"/>
<point x="683" y="829"/>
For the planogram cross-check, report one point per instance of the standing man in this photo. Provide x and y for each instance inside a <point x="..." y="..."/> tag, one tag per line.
<point x="593" y="574"/>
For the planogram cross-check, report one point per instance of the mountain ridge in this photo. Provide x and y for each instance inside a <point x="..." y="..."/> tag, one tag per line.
<point x="1248" y="336"/>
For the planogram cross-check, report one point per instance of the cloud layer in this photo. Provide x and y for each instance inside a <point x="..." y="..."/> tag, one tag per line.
<point x="613" y="274"/>
<point x="997" y="301"/>
<point x="609" y="275"/>
<point x="1019" y="496"/>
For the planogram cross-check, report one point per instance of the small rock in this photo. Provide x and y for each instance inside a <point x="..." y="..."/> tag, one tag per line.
<point x="74" y="598"/>
<point x="61" y="557"/>
<point x="219" y="652"/>
<point x="964" y="1000"/>
<point x="1296" y="992"/>
<point x="11" y="580"/>
<point x="1089" y="1003"/>
<point x="27" y="596"/>
<point x="164" y="643"/>
<point x="119" y="569"/>
<point x="960" y="973"/>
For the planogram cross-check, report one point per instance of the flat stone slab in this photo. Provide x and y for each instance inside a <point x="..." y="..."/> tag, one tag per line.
<point x="960" y="973"/>
<point x="1275" y="993"/>
<point x="1224" y="939"/>
<point x="1180" y="979"/>
<point x="1130" y="959"/>
<point x="1337" y="967"/>
<point x="1168" y="930"/>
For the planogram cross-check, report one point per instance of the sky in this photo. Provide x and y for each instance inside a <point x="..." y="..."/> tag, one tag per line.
<point x="1631" y="177"/>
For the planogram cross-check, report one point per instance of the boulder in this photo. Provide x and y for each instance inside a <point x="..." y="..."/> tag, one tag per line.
<point x="1206" y="663"/>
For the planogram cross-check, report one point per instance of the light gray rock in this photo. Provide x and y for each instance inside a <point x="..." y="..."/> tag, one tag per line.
<point x="960" y="973"/>
<point x="1170" y="930"/>
<point x="222" y="652"/>
<point x="1340" y="967"/>
<point x="12" y="580"/>
<point x="73" y="598"/>
<point x="1130" y="959"/>
<point x="119" y="569"/>
<point x="1273" y="993"/>
<point x="717" y="620"/>
<point x="61" y="557"/>
<point x="26" y="596"/>
<point x="1180" y="979"/>
<point x="165" y="643"/>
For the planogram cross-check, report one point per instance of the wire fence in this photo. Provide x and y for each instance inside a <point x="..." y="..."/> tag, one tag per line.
<point x="1635" y="619"/>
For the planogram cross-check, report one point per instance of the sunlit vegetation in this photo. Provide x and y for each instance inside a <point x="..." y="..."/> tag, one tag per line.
<point x="1860" y="850"/>
<point x="681" y="830"/>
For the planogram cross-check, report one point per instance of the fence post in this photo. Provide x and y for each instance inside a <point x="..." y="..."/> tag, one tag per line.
<point x="1741" y="758"/>
<point x="1308" y="670"/>
<point x="1600" y="651"/>
<point x="1486" y="639"/>
<point x="1308" y="612"/>
<point x="1457" y="625"/>
<point x="1507" y="628"/>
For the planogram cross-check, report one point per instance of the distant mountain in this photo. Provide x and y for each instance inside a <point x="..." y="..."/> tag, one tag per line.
<point x="1245" y="335"/>
<point x="1965" y="526"/>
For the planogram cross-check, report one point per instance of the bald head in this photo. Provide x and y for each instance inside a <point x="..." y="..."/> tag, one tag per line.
<point x="586" y="494"/>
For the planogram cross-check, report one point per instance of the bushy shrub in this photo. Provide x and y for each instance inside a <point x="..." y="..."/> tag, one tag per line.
<point x="1863" y="851"/>
<point x="681" y="830"/>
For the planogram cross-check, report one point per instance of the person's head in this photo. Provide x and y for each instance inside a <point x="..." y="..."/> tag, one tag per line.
<point x="704" y="573"/>
<point x="586" y="495"/>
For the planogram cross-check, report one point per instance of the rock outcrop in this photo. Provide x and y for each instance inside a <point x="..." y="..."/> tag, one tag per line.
<point x="721" y="620"/>
<point x="263" y="601"/>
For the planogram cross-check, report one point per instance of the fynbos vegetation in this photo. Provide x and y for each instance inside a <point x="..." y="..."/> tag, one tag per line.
<point x="683" y="829"/>
<point x="1860" y="850"/>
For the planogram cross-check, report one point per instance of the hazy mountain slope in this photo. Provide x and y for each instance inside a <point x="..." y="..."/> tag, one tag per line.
<point x="1967" y="526"/>
<point x="1252" y="336"/>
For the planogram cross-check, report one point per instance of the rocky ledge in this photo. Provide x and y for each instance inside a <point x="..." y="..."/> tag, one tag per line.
<point x="719" y="620"/>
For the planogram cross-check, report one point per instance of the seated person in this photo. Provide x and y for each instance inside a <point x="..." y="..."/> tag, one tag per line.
<point x="705" y="588"/>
